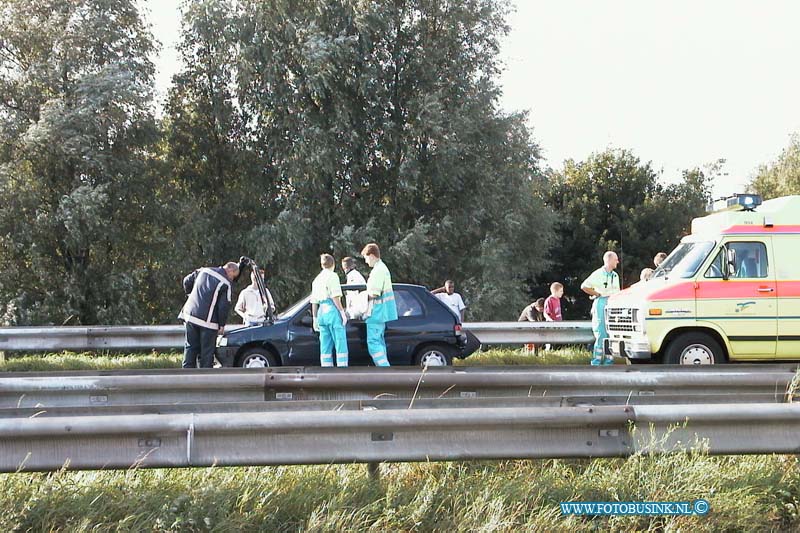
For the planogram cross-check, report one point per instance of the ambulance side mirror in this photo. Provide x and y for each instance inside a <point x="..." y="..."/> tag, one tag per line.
<point x="730" y="263"/>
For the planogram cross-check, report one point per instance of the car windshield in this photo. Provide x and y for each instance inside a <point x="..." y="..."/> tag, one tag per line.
<point x="684" y="260"/>
<point x="291" y="311"/>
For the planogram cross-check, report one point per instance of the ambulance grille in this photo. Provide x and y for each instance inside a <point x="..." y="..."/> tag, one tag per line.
<point x="621" y="319"/>
<point x="622" y="327"/>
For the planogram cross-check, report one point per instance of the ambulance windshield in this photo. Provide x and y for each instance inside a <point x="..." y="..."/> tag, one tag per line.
<point x="684" y="260"/>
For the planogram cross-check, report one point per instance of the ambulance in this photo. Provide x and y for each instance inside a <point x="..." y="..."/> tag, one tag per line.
<point x="730" y="291"/>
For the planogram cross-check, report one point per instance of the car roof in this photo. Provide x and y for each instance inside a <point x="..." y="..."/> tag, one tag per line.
<point x="402" y="285"/>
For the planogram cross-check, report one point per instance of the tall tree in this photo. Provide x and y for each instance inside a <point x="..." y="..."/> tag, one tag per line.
<point x="380" y="120"/>
<point x="781" y="177"/>
<point x="75" y="129"/>
<point x="217" y="175"/>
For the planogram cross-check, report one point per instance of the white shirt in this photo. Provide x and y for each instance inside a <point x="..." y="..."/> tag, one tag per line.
<point x="453" y="301"/>
<point x="249" y="305"/>
<point x="356" y="301"/>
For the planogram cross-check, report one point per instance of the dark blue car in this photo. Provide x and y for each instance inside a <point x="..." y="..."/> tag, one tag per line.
<point x="427" y="332"/>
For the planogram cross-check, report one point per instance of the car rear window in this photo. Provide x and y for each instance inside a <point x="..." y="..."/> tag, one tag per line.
<point x="407" y="304"/>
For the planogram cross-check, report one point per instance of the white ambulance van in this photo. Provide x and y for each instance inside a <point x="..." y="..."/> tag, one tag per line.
<point x="730" y="291"/>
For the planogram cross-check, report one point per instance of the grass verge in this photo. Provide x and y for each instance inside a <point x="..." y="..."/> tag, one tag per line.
<point x="755" y="493"/>
<point x="104" y="361"/>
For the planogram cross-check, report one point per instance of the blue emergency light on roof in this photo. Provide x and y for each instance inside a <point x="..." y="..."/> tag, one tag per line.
<point x="747" y="202"/>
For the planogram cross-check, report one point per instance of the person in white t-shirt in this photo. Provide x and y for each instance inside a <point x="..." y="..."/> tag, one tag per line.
<point x="355" y="301"/>
<point x="250" y="305"/>
<point x="451" y="298"/>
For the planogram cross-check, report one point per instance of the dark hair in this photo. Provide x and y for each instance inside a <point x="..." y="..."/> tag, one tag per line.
<point x="349" y="262"/>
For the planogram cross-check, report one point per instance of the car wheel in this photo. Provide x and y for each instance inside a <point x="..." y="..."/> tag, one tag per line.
<point x="694" y="348"/>
<point x="435" y="355"/>
<point x="257" y="358"/>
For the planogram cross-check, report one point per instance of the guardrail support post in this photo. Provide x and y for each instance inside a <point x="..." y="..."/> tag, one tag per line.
<point x="374" y="471"/>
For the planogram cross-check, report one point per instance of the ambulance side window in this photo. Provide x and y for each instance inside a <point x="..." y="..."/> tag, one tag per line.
<point x="751" y="261"/>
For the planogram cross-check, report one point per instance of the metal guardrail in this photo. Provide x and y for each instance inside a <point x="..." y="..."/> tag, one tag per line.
<point x="276" y="416"/>
<point x="380" y="404"/>
<point x="148" y="337"/>
<point x="114" y="388"/>
<point x="567" y="332"/>
<point x="278" y="438"/>
<point x="90" y="338"/>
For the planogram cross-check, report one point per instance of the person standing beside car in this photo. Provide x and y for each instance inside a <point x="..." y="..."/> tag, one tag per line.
<point x="601" y="284"/>
<point x="451" y="298"/>
<point x="382" y="307"/>
<point x="250" y="305"/>
<point x="355" y="301"/>
<point x="328" y="314"/>
<point x="206" y="312"/>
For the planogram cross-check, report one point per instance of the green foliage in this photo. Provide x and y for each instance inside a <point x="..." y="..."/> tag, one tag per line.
<point x="613" y="201"/>
<point x="781" y="177"/>
<point x="381" y="123"/>
<point x="295" y="128"/>
<point x="75" y="122"/>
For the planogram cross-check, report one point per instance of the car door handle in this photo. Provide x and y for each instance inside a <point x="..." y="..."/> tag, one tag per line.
<point x="766" y="289"/>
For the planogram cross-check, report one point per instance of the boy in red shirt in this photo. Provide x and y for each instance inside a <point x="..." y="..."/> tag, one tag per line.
<point x="552" y="305"/>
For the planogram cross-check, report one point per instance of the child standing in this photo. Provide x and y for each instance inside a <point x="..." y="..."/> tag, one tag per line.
<point x="552" y="305"/>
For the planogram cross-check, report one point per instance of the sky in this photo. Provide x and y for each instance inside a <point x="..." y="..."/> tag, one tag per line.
<point x="681" y="83"/>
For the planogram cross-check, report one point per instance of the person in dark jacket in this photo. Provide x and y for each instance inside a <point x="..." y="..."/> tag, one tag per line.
<point x="206" y="311"/>
<point x="533" y="313"/>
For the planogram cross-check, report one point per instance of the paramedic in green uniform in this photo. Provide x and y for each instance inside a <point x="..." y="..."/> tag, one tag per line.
<point x="328" y="313"/>
<point x="381" y="299"/>
<point x="601" y="284"/>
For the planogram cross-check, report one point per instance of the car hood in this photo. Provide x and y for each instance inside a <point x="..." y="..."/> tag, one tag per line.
<point x="240" y="330"/>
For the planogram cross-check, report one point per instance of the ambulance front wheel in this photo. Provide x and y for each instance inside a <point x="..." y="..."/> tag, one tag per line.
<point x="694" y="348"/>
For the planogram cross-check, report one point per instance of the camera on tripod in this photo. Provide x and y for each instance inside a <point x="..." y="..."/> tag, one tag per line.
<point x="245" y="262"/>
